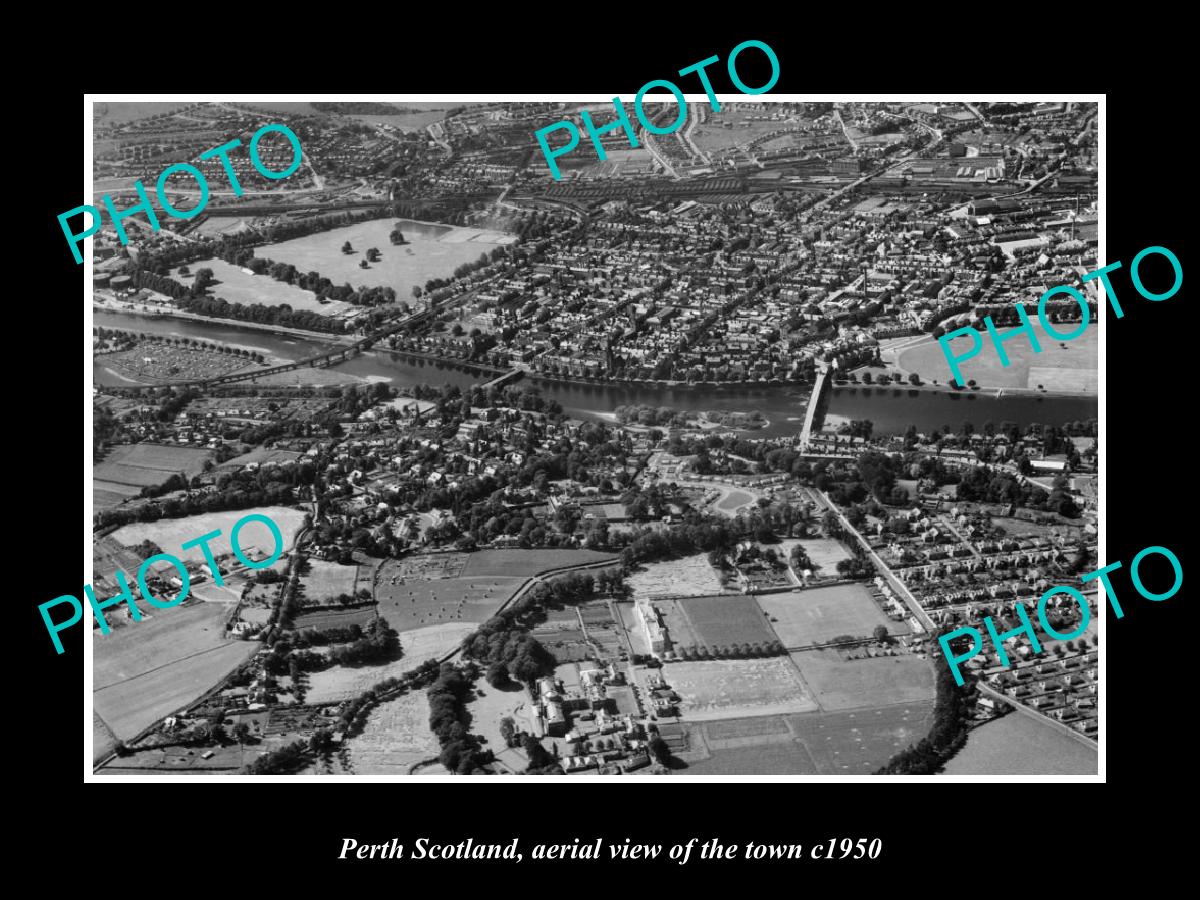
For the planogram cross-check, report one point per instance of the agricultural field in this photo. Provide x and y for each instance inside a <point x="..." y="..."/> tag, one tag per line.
<point x="130" y="467"/>
<point x="524" y="563"/>
<point x="236" y="286"/>
<point x="255" y="537"/>
<point x="1060" y="366"/>
<point x="725" y="689"/>
<point x="432" y="251"/>
<point x="408" y="604"/>
<point x="325" y="617"/>
<point x="149" y="669"/>
<point x="396" y="737"/>
<point x="817" y="615"/>
<point x="690" y="576"/>
<point x="839" y="682"/>
<point x="722" y="621"/>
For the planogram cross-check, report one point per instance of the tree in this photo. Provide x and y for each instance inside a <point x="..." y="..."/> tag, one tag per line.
<point x="241" y="731"/>
<point x="497" y="675"/>
<point x="914" y="378"/>
<point x="881" y="634"/>
<point x="346" y="248"/>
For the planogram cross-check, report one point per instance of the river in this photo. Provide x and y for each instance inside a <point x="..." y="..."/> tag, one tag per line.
<point x="890" y="409"/>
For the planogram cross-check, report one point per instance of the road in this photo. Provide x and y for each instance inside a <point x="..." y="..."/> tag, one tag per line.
<point x="814" y="401"/>
<point x="1034" y="714"/>
<point x="898" y="586"/>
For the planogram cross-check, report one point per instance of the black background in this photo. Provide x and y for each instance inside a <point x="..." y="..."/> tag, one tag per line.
<point x="943" y="839"/>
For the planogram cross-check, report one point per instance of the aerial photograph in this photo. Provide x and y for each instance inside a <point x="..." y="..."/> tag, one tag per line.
<point x="658" y="468"/>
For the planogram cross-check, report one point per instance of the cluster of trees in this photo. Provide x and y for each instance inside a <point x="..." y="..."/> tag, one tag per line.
<point x="949" y="731"/>
<point x="283" y="315"/>
<point x="449" y="720"/>
<point x="500" y="642"/>
<point x="732" y="651"/>
<point x="309" y="281"/>
<point x="285" y="760"/>
<point x="650" y="415"/>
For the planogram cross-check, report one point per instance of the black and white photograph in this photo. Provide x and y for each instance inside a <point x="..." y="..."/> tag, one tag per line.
<point x="699" y="436"/>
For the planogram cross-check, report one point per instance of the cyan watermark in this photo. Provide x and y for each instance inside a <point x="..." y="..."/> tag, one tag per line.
<point x="222" y="152"/>
<point x="622" y="120"/>
<point x="126" y="596"/>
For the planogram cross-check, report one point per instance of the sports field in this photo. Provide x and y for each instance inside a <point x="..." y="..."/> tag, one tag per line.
<point x="432" y="251"/>
<point x="148" y="669"/>
<point x="1060" y="366"/>
<point x="816" y="615"/>
<point x="721" y="621"/>
<point x="841" y="683"/>
<point x="722" y="689"/>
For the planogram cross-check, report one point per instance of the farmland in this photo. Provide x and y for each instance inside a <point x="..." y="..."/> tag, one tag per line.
<point x="409" y="604"/>
<point x="523" y="563"/>
<point x="731" y="688"/>
<point x="171" y="534"/>
<point x="690" y="576"/>
<point x="721" y="621"/>
<point x="146" y="671"/>
<point x="130" y="467"/>
<point x="842" y="683"/>
<point x="396" y="737"/>
<point x="817" y="615"/>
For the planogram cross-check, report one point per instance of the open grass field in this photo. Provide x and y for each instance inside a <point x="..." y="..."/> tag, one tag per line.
<point x="722" y="689"/>
<point x="839" y="743"/>
<point x="1019" y="745"/>
<point x="432" y="251"/>
<point x="151" y="668"/>
<point x="713" y="135"/>
<point x="824" y="553"/>
<point x="171" y="534"/>
<point x="817" y="615"/>
<point x="720" y="621"/>
<point x="524" y="563"/>
<point x="325" y="580"/>
<point x="690" y="576"/>
<point x="417" y="603"/>
<point x="237" y="286"/>
<point x="840" y="683"/>
<point x="130" y="467"/>
<point x="1060" y="366"/>
<point x="325" y="617"/>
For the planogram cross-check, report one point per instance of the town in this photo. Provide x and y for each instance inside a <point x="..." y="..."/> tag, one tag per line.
<point x="657" y="470"/>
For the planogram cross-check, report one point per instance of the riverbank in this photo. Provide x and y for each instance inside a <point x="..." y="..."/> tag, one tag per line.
<point x="978" y="390"/>
<point x="157" y="312"/>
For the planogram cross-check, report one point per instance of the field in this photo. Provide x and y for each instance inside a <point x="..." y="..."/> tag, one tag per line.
<point x="322" y="617"/>
<point x="734" y="500"/>
<point x="691" y="576"/>
<point x="840" y="743"/>
<point x="171" y="534"/>
<point x="410" y="603"/>
<point x="148" y="669"/>
<point x="130" y="467"/>
<point x="1061" y="366"/>
<point x="562" y="635"/>
<point x="433" y="251"/>
<point x="716" y="621"/>
<point x="325" y="580"/>
<point x="396" y="737"/>
<point x="824" y="553"/>
<point x="524" y="563"/>
<point x="714" y="136"/>
<point x="840" y="683"/>
<point x="236" y="286"/>
<point x="817" y="615"/>
<point x="722" y="689"/>
<point x="1019" y="745"/>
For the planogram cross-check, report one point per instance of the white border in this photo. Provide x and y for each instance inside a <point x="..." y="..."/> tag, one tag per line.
<point x="90" y="777"/>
